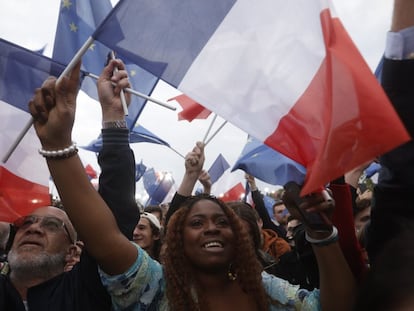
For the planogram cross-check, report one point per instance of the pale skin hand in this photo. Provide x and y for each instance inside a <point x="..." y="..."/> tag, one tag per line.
<point x="205" y="180"/>
<point x="194" y="162"/>
<point x="252" y="182"/>
<point x="108" y="96"/>
<point x="352" y="177"/>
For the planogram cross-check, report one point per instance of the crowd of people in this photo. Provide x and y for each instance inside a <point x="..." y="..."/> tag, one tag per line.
<point x="101" y="252"/>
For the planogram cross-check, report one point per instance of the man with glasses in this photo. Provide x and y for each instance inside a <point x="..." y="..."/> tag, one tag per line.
<point x="45" y="241"/>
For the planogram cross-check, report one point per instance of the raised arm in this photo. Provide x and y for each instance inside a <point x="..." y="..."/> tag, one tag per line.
<point x="53" y="109"/>
<point x="261" y="208"/>
<point x="194" y="161"/>
<point x="392" y="209"/>
<point x="117" y="161"/>
<point x="337" y="283"/>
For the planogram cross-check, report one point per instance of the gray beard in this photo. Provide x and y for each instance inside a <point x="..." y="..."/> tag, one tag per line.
<point x="40" y="266"/>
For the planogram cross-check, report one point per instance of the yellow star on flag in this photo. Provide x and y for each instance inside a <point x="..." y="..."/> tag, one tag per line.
<point x="73" y="27"/>
<point x="66" y="4"/>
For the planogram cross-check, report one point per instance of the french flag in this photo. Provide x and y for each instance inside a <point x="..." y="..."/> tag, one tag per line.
<point x="24" y="177"/>
<point x="285" y="72"/>
<point x="191" y="109"/>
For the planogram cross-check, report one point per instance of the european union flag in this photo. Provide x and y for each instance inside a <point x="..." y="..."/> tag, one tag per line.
<point x="77" y="21"/>
<point x="268" y="165"/>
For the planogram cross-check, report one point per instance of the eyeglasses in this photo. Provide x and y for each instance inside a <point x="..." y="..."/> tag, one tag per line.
<point x="49" y="223"/>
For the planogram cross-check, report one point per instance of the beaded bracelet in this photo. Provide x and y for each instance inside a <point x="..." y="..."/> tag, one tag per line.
<point x="60" y="154"/>
<point x="332" y="238"/>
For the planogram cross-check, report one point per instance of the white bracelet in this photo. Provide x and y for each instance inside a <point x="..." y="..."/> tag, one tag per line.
<point x="60" y="154"/>
<point x="333" y="237"/>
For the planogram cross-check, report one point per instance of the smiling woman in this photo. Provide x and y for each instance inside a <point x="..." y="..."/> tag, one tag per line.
<point x="211" y="236"/>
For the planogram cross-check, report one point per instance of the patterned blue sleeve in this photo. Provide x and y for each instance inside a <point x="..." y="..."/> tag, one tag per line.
<point x="140" y="287"/>
<point x="290" y="296"/>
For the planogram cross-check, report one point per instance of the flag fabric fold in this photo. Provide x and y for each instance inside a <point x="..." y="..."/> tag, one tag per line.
<point x="268" y="165"/>
<point x="140" y="169"/>
<point x="217" y="169"/>
<point x="24" y="178"/>
<point x="191" y="109"/>
<point x="138" y="134"/>
<point x="77" y="21"/>
<point x="291" y="78"/>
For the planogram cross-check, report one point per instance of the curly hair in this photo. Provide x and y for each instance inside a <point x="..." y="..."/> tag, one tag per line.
<point x="182" y="290"/>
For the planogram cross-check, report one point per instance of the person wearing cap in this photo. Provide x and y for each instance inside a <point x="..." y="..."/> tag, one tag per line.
<point x="147" y="234"/>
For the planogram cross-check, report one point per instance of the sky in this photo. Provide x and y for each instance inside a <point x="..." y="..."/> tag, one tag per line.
<point x="32" y="24"/>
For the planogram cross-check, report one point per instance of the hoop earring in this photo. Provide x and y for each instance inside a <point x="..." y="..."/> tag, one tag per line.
<point x="231" y="275"/>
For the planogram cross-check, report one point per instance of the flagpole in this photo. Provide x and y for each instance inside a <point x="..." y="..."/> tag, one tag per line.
<point x="17" y="141"/>
<point x="76" y="59"/>
<point x="121" y="94"/>
<point x="65" y="72"/>
<point x="177" y="152"/>
<point x="209" y="128"/>
<point x="215" y="133"/>
<point x="136" y="93"/>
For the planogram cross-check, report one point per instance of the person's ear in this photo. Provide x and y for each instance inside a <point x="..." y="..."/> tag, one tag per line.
<point x="72" y="256"/>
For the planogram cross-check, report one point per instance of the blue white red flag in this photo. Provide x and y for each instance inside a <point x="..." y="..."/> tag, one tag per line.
<point x="268" y="165"/>
<point x="157" y="186"/>
<point x="217" y="169"/>
<point x="191" y="109"/>
<point x="235" y="193"/>
<point x="24" y="177"/>
<point x="291" y="78"/>
<point x="77" y="21"/>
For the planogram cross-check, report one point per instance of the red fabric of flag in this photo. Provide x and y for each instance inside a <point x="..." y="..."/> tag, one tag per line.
<point x="90" y="171"/>
<point x="191" y="109"/>
<point x="234" y="194"/>
<point x="19" y="197"/>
